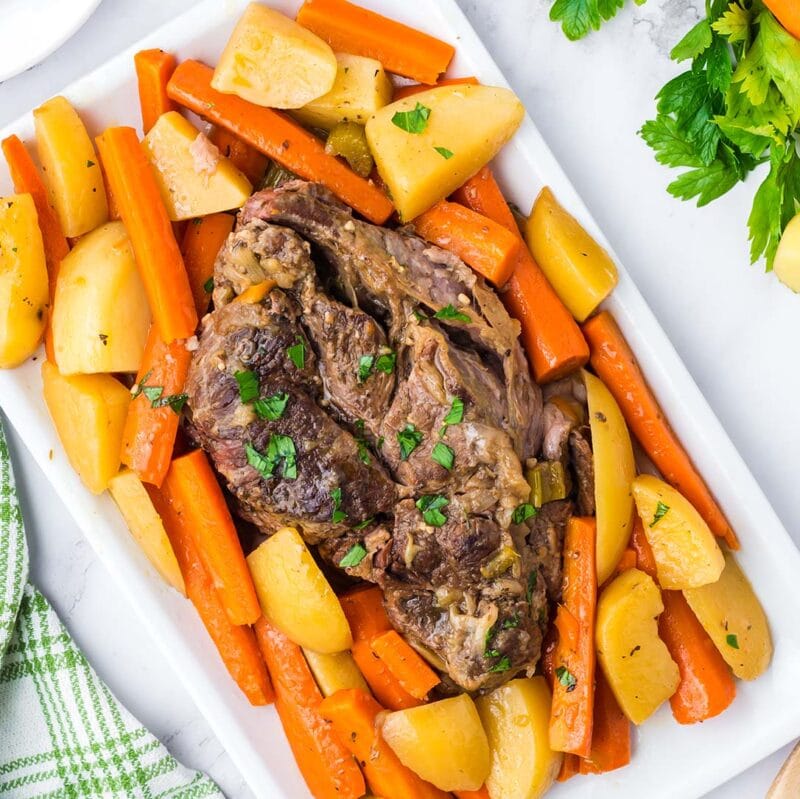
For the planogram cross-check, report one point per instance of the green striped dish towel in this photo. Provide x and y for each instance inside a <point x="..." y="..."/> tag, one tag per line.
<point x="62" y="732"/>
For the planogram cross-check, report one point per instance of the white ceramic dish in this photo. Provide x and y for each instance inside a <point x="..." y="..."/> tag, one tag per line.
<point x="670" y="762"/>
<point x="53" y="21"/>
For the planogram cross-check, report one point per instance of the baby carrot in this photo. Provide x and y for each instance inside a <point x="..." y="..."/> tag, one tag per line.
<point x="202" y="242"/>
<point x="411" y="89"/>
<point x="611" y="733"/>
<point x="153" y="70"/>
<point x="244" y="157"/>
<point x="404" y="664"/>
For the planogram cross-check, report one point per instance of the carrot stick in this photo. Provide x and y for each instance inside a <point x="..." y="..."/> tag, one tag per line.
<point x="404" y="664"/>
<point x="354" y="715"/>
<point x="348" y="28"/>
<point x="483" y="793"/>
<point x="149" y="435"/>
<point x="611" y="734"/>
<point x="202" y="242"/>
<point x="616" y="365"/>
<point x="236" y="644"/>
<point x="192" y="490"/>
<point x="706" y="687"/>
<point x="365" y="613"/>
<point x="326" y="765"/>
<point x="627" y="561"/>
<point x="278" y="137"/>
<point x="573" y="689"/>
<point x="153" y="70"/>
<point x="570" y="766"/>
<point x="415" y="88"/>
<point x="550" y="335"/>
<point x="246" y="159"/>
<point x="145" y="217"/>
<point x="490" y="249"/>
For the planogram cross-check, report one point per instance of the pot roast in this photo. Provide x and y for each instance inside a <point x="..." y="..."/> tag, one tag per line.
<point x="395" y="419"/>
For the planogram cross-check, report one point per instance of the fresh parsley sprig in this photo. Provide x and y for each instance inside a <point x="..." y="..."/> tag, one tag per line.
<point x="579" y="17"/>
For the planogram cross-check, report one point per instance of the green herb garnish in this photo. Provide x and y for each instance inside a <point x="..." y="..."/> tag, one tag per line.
<point x="365" y="523"/>
<point x="578" y="17"/>
<point x="443" y="455"/>
<point x="566" y="678"/>
<point x="504" y="664"/>
<point x="297" y="353"/>
<point x="365" y="364"/>
<point x="431" y="506"/>
<point x="280" y="452"/>
<point x="271" y="408"/>
<point x="414" y="121"/>
<point x="456" y="413"/>
<point x="354" y="556"/>
<point x="732" y="641"/>
<point x="444" y="152"/>
<point x="661" y="512"/>
<point x="173" y="401"/>
<point x="248" y="385"/>
<point x="385" y="363"/>
<point x="409" y="438"/>
<point x="208" y="286"/>
<point x="532" y="578"/>
<point x="523" y="512"/>
<point x="338" y="514"/>
<point x="451" y="313"/>
<point x="512" y="623"/>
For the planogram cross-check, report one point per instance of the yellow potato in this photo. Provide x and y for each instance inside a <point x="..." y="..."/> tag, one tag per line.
<point x="686" y="552"/>
<point x="469" y="125"/>
<point x="146" y="526"/>
<point x="271" y="60"/>
<point x="443" y="742"/>
<point x="194" y="179"/>
<point x="614" y="469"/>
<point x="70" y="167"/>
<point x="89" y="413"/>
<point x="335" y="672"/>
<point x="101" y="316"/>
<point x="787" y="258"/>
<point x="733" y="617"/>
<point x="360" y="89"/>
<point x="579" y="269"/>
<point x="516" y="719"/>
<point x="634" y="659"/>
<point x="23" y="280"/>
<point x="295" y="596"/>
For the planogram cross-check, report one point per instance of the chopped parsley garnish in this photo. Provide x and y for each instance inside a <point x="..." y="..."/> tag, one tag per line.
<point x="443" y="455"/>
<point x="444" y="152"/>
<point x="523" y="512"/>
<point x="512" y="623"/>
<point x="420" y="316"/>
<point x="504" y="664"/>
<point x="208" y="286"/>
<point x="156" y="397"/>
<point x="297" y="353"/>
<point x="280" y="451"/>
<point x="661" y="512"/>
<point x="363" y="452"/>
<point x="248" y="385"/>
<point x="271" y="408"/>
<point x="532" y="578"/>
<point x="89" y="164"/>
<point x="431" y="506"/>
<point x="365" y="523"/>
<point x="451" y="313"/>
<point x="566" y="678"/>
<point x="338" y="514"/>
<point x="369" y="364"/>
<point x="365" y="364"/>
<point x="385" y="363"/>
<point x="380" y="442"/>
<point x="174" y="401"/>
<point x="488" y="652"/>
<point x="354" y="556"/>
<point x="414" y="121"/>
<point x="409" y="438"/>
<point x="456" y="412"/>
<point x="732" y="641"/>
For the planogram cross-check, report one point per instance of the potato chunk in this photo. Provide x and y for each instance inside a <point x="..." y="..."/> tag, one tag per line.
<point x="194" y="179"/>
<point x="443" y="742"/>
<point x="295" y="596"/>
<point x="101" y="316"/>
<point x="145" y="526"/>
<point x="89" y="415"/>
<point x="787" y="257"/>
<point x="23" y="280"/>
<point x="516" y="719"/>
<point x="733" y="617"/>
<point x="361" y="88"/>
<point x="70" y="167"/>
<point x="614" y="469"/>
<point x="686" y="552"/>
<point x="336" y="672"/>
<point x="270" y="60"/>
<point x="425" y="146"/>
<point x="634" y="659"/>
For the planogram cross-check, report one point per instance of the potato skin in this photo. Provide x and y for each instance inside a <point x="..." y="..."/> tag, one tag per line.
<point x="295" y="596"/>
<point x="732" y="615"/>
<point x="23" y="280"/>
<point x="634" y="659"/>
<point x="336" y="672"/>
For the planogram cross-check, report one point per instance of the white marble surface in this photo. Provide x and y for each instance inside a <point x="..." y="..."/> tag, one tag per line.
<point x="735" y="328"/>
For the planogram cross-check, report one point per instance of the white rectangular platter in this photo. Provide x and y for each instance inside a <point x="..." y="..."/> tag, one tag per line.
<point x="670" y="762"/>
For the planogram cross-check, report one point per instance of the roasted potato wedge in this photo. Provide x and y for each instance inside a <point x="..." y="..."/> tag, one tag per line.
<point x="335" y="672"/>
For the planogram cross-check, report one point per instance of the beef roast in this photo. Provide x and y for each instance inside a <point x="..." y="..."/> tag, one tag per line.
<point x="411" y="417"/>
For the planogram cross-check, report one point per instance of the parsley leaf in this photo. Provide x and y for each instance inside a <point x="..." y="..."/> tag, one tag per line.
<point x="431" y="506"/>
<point x="338" y="514"/>
<point x="173" y="401"/>
<point x="566" y="678"/>
<point x="365" y="523"/>
<point x="297" y="353"/>
<point x="365" y="364"/>
<point x="532" y="579"/>
<point x="354" y="556"/>
<point x="732" y="641"/>
<point x="409" y="438"/>
<point x="504" y="664"/>
<point x="369" y="364"/>
<point x="511" y="623"/>
<point x="579" y="17"/>
<point x="444" y="152"/>
<point x="450" y="312"/>
<point x="697" y="41"/>
<point x="280" y="452"/>
<point x="208" y="286"/>
<point x="414" y="121"/>
<point x="272" y="407"/>
<point x="386" y="362"/>
<point x="248" y="385"/>
<point x="661" y="512"/>
<point x="443" y="455"/>
<point x="454" y="416"/>
<point x="523" y="512"/>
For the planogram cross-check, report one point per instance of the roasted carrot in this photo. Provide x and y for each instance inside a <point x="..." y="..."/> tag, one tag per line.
<point x="573" y="689"/>
<point x="550" y="335"/>
<point x="627" y="561"/>
<point x="611" y="733"/>
<point x="404" y="664"/>
<point x="483" y="793"/>
<point x="490" y="249"/>
<point x="354" y="715"/>
<point x="365" y="613"/>
<point x="348" y="28"/>
<point x="706" y="687"/>
<point x="411" y="89"/>
<point x="157" y="255"/>
<point x="152" y="421"/>
<point x="570" y="766"/>
<point x="194" y="493"/>
<point x="202" y="242"/>
<point x="244" y="157"/>
<point x="616" y="365"/>
<point x="153" y="70"/>
<point x="236" y="644"/>
<point x="325" y="763"/>
<point x="278" y="137"/>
